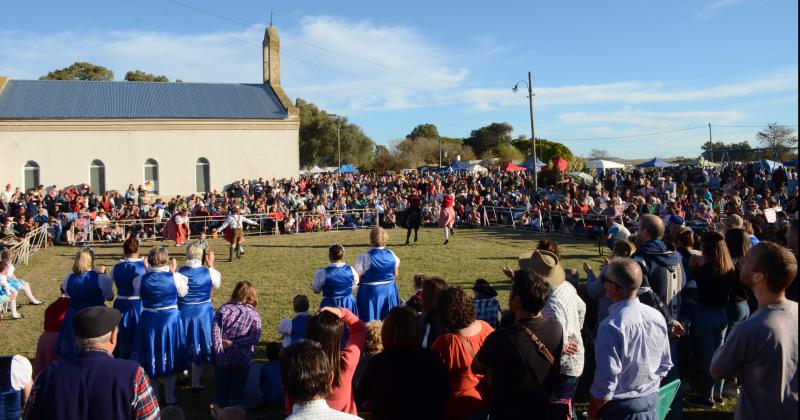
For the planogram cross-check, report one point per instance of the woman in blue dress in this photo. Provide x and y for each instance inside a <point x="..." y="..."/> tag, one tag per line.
<point x="336" y="281"/>
<point x="128" y="302"/>
<point x="160" y="341"/>
<point x="378" y="267"/>
<point x="84" y="287"/>
<point x="196" y="310"/>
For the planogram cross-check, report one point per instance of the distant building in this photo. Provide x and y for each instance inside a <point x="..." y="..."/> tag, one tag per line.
<point x="173" y="138"/>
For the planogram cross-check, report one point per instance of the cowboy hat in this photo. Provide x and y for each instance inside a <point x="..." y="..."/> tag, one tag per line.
<point x="546" y="264"/>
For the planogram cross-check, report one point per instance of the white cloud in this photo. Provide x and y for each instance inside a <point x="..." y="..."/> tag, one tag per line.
<point x="652" y="119"/>
<point x="711" y="9"/>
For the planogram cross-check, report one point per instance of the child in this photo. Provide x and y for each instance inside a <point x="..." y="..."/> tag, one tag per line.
<point x="294" y="330"/>
<point x="487" y="307"/>
<point x="8" y="294"/>
<point x="594" y="284"/>
<point x="415" y="301"/>
<point x="271" y="376"/>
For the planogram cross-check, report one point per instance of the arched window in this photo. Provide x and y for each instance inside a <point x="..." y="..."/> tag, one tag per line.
<point x="97" y="176"/>
<point x="151" y="175"/>
<point x="203" y="179"/>
<point x="30" y="175"/>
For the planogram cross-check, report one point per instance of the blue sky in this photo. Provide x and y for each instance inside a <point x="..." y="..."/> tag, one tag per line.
<point x="601" y="69"/>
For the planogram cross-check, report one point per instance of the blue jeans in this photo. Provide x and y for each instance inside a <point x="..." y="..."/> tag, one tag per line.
<point x="737" y="312"/>
<point x="229" y="384"/>
<point x="642" y="408"/>
<point x="709" y="328"/>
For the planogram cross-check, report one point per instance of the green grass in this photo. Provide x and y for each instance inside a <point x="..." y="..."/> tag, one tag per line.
<point x="283" y="266"/>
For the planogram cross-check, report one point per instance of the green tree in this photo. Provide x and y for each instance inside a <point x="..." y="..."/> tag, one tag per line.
<point x="385" y="161"/>
<point x="80" y="70"/>
<point x="424" y="130"/>
<point x="318" y="145"/>
<point x="546" y="150"/>
<point x="423" y="150"/>
<point x="740" y="151"/>
<point x="140" y="76"/>
<point x="486" y="140"/>
<point x="508" y="153"/>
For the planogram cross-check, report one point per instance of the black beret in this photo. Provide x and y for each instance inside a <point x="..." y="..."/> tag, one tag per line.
<point x="95" y="321"/>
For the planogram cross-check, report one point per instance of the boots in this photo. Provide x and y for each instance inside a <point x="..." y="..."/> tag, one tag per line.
<point x="230" y="254"/>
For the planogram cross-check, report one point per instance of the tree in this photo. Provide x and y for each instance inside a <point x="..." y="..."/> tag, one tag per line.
<point x="777" y="139"/>
<point x="736" y="151"/>
<point x="140" y="76"/>
<point x="421" y="151"/>
<point x="384" y="160"/>
<point x="546" y="150"/>
<point x="318" y="139"/>
<point x="424" y="130"/>
<point x="508" y="153"/>
<point x="81" y="70"/>
<point x="598" y="154"/>
<point x="485" y="140"/>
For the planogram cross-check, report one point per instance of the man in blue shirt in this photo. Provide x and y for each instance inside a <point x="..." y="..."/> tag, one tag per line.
<point x="631" y="350"/>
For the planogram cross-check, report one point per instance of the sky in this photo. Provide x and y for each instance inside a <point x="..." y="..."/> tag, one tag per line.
<point x="637" y="79"/>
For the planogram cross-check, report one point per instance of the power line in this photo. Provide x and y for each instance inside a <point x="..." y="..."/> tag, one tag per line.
<point x="652" y="133"/>
<point x="750" y="126"/>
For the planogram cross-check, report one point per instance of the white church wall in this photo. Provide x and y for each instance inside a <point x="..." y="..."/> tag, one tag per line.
<point x="234" y="151"/>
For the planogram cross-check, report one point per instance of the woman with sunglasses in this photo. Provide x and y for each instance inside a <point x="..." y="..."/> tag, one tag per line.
<point x="336" y="281"/>
<point x="160" y="341"/>
<point x="84" y="287"/>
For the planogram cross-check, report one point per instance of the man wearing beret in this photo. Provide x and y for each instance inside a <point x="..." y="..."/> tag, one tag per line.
<point x="95" y="385"/>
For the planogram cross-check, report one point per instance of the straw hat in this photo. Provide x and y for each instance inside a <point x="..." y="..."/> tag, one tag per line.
<point x="546" y="264"/>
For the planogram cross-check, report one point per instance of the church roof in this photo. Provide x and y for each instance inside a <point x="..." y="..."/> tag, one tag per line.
<point x="62" y="99"/>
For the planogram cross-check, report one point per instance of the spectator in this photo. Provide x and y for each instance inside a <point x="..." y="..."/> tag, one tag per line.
<point x="196" y="310"/>
<point x="98" y="385"/>
<point x="762" y="350"/>
<point x="270" y="378"/>
<point x="235" y="330"/>
<point x="463" y="338"/>
<point x="429" y="318"/>
<point x="595" y="287"/>
<point x="16" y="381"/>
<point x="46" y="346"/>
<point x="632" y="351"/>
<point x="523" y="360"/>
<point x="393" y="376"/>
<point x="327" y="328"/>
<point x="372" y="346"/>
<point x="306" y="375"/>
<point x="487" y="308"/>
<point x="294" y="330"/>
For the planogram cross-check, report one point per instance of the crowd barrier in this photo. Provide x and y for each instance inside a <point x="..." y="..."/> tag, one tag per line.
<point x="31" y="243"/>
<point x="266" y="224"/>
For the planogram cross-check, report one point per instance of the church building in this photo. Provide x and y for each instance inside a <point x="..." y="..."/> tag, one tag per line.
<point x="172" y="138"/>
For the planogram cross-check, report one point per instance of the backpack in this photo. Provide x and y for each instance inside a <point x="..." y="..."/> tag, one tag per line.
<point x="662" y="283"/>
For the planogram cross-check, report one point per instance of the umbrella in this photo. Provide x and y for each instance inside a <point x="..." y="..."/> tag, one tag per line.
<point x="581" y="175"/>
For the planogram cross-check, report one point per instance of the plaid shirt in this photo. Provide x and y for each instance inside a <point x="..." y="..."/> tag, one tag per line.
<point x="487" y="310"/>
<point x="144" y="405"/>
<point x="240" y="324"/>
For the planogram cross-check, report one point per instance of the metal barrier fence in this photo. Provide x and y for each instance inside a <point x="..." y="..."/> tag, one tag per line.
<point x="31" y="243"/>
<point x="266" y="224"/>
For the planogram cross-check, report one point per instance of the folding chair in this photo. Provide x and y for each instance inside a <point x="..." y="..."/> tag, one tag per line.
<point x="666" y="395"/>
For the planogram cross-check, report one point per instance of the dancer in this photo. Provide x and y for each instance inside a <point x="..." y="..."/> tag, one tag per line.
<point x="128" y="302"/>
<point x="181" y="226"/>
<point x="235" y="222"/>
<point x="336" y="281"/>
<point x="447" y="217"/>
<point x="84" y="287"/>
<point x="160" y="341"/>
<point x="15" y="283"/>
<point x="7" y="293"/>
<point x="413" y="214"/>
<point x="377" y="268"/>
<point x="196" y="310"/>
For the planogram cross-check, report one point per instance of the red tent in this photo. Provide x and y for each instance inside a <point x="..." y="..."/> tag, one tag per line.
<point x="560" y="164"/>
<point x="510" y="167"/>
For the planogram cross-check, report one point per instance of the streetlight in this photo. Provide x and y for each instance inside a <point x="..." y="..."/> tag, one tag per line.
<point x="529" y="83"/>
<point x="338" y="141"/>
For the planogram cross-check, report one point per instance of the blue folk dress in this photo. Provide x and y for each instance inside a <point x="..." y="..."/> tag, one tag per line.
<point x="160" y="341"/>
<point x="377" y="294"/>
<point x="337" y="289"/>
<point x="127" y="303"/>
<point x="84" y="290"/>
<point x="196" y="310"/>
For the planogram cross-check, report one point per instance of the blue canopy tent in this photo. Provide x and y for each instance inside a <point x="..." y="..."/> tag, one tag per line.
<point x="459" y="165"/>
<point x="770" y="165"/>
<point x="348" y="169"/>
<point x="792" y="163"/>
<point x="528" y="164"/>
<point x="655" y="163"/>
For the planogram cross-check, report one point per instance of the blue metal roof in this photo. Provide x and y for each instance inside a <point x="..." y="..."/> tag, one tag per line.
<point x="62" y="99"/>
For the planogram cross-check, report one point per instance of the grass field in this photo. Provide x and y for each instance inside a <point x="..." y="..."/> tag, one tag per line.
<point x="283" y="266"/>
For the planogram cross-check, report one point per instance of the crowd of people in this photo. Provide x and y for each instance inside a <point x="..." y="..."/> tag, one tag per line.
<point x="711" y="304"/>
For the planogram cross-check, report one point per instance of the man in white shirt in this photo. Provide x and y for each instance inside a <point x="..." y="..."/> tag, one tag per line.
<point x="306" y="377"/>
<point x="236" y="222"/>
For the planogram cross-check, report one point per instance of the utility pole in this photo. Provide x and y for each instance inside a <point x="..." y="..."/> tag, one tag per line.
<point x="710" y="145"/>
<point x="533" y="135"/>
<point x="339" y="143"/>
<point x="440" y="152"/>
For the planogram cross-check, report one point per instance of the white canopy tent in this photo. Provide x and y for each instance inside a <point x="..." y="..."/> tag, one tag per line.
<point x="604" y="164"/>
<point x="477" y="168"/>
